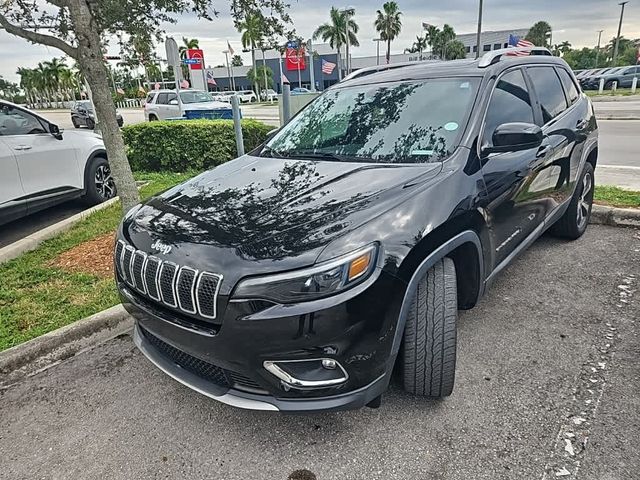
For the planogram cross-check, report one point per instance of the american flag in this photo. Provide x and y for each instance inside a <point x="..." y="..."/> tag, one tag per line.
<point x="231" y="50"/>
<point x="327" y="67"/>
<point x="210" y="79"/>
<point x="516" y="41"/>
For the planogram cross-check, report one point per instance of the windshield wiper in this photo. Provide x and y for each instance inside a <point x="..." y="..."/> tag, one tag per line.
<point x="270" y="152"/>
<point x="321" y="155"/>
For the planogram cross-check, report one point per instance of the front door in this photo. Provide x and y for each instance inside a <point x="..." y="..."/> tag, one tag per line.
<point x="12" y="203"/>
<point x="513" y="210"/>
<point x="47" y="166"/>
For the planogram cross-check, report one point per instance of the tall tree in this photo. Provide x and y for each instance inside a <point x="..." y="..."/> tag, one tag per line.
<point x="82" y="28"/>
<point x="418" y="46"/>
<point x="335" y="31"/>
<point x="252" y="31"/>
<point x="187" y="44"/>
<point x="539" y="34"/>
<point x="388" y="24"/>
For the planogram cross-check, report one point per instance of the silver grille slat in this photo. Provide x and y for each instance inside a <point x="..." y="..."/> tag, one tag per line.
<point x="183" y="288"/>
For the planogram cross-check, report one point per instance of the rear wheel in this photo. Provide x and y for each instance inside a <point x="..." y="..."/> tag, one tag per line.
<point x="152" y="117"/>
<point x="75" y="123"/>
<point x="91" y="124"/>
<point x="575" y="220"/>
<point x="99" y="183"/>
<point x="429" y="342"/>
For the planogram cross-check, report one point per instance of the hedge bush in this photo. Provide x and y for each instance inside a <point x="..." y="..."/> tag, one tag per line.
<point x="181" y="145"/>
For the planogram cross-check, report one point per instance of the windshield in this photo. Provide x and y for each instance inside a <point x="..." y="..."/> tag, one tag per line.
<point x="408" y="122"/>
<point x="195" y="97"/>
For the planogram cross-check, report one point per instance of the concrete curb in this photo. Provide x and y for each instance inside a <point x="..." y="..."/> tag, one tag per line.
<point x="49" y="349"/>
<point x="617" y="117"/>
<point x="615" y="217"/>
<point x="32" y="241"/>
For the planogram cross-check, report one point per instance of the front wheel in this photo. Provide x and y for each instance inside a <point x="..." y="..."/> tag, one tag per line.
<point x="99" y="183"/>
<point x="575" y="220"/>
<point x="429" y="342"/>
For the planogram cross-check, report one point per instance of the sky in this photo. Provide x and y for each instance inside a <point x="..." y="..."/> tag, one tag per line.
<point x="574" y="20"/>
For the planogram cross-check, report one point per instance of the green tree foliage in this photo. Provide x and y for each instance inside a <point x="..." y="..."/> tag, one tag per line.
<point x="443" y="43"/>
<point x="9" y="90"/>
<point x="419" y="46"/>
<point x="236" y="61"/>
<point x="256" y="77"/>
<point x="83" y="29"/>
<point x="388" y="24"/>
<point x="50" y="82"/>
<point x="539" y="34"/>
<point x="335" y="31"/>
<point x="583" y="58"/>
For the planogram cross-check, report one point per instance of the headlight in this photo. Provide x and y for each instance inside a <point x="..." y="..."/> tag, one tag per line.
<point x="311" y="283"/>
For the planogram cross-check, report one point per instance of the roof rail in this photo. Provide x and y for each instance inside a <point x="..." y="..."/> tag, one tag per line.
<point x="361" y="72"/>
<point x="494" y="56"/>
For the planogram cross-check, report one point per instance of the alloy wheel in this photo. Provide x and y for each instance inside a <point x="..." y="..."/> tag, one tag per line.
<point x="584" y="202"/>
<point x="105" y="185"/>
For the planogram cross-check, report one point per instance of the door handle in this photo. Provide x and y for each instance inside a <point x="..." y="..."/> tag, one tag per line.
<point x="543" y="151"/>
<point x="23" y="147"/>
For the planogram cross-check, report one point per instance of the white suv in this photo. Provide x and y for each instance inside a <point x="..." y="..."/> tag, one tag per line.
<point x="41" y="166"/>
<point x="246" y="96"/>
<point x="165" y="104"/>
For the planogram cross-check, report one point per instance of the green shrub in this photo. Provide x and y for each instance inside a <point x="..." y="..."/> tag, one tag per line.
<point x="181" y="145"/>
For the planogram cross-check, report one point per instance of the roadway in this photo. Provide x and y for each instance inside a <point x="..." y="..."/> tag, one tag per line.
<point x="547" y="387"/>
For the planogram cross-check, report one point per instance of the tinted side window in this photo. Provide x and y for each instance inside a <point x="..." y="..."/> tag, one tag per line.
<point x="569" y="87"/>
<point x="162" y="99"/>
<point x="18" y="122"/>
<point x="170" y="96"/>
<point x="150" y="97"/>
<point x="549" y="90"/>
<point x="510" y="102"/>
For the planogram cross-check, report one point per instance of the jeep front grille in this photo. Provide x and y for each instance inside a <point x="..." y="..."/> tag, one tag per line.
<point x="182" y="288"/>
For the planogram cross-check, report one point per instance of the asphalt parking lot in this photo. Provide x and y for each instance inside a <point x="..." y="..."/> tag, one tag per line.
<point x="548" y="386"/>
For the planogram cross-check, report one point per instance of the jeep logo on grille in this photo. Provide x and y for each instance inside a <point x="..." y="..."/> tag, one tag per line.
<point x="163" y="248"/>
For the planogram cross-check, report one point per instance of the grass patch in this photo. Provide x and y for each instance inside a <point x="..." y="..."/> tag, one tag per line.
<point x="620" y="92"/>
<point x="616" y="197"/>
<point x="37" y="297"/>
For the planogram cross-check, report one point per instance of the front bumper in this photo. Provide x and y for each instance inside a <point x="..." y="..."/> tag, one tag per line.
<point x="241" y="399"/>
<point x="356" y="332"/>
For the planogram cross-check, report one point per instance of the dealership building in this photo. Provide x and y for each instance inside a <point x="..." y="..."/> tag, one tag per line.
<point x="297" y="74"/>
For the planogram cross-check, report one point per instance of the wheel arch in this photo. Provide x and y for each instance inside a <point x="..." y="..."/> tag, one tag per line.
<point x="99" y="153"/>
<point x="462" y="239"/>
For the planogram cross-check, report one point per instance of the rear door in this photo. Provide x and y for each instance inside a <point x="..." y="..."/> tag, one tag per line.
<point x="47" y="166"/>
<point x="12" y="202"/>
<point x="560" y="118"/>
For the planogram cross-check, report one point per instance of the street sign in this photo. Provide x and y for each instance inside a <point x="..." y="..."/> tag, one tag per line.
<point x="191" y="61"/>
<point x="173" y="58"/>
<point x="198" y="55"/>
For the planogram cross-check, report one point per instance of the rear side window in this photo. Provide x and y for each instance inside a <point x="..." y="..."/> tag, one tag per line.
<point x="162" y="99"/>
<point x="150" y="97"/>
<point x="569" y="87"/>
<point x="510" y="102"/>
<point x="549" y="90"/>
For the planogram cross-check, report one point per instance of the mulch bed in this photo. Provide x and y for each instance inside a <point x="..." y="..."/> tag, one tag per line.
<point x="94" y="257"/>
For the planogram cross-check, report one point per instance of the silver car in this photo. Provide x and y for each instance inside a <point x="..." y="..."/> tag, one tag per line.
<point x="166" y="104"/>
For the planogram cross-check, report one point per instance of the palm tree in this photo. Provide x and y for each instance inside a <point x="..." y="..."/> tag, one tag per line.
<point x="187" y="44"/>
<point x="252" y="34"/>
<point x="388" y="24"/>
<point x="335" y="31"/>
<point x="539" y="34"/>
<point x="418" y="46"/>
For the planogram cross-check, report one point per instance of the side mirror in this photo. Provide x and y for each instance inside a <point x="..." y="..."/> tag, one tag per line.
<point x="55" y="131"/>
<point x="173" y="102"/>
<point x="514" y="137"/>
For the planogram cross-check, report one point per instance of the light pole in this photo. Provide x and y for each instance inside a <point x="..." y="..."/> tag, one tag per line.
<point x="615" y="50"/>
<point x="479" y="29"/>
<point x="377" y="40"/>
<point x="598" y="47"/>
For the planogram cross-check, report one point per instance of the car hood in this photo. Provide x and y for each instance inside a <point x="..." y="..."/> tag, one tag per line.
<point x="271" y="213"/>
<point x="206" y="105"/>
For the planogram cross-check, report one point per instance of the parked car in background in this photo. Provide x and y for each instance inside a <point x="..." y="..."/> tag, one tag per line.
<point x="221" y="96"/>
<point x="246" y="96"/>
<point x="622" y="75"/>
<point x="299" y="90"/>
<point x="585" y="79"/>
<point x="41" y="166"/>
<point x="82" y="115"/>
<point x="164" y="104"/>
<point x="299" y="276"/>
<point x="270" y="95"/>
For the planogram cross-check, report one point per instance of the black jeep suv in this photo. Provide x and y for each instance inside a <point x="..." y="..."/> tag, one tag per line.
<point x="296" y="277"/>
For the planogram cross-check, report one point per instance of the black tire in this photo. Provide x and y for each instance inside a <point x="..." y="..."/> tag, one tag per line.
<point x="75" y="123"/>
<point x="608" y="85"/>
<point x="99" y="183"/>
<point x="91" y="124"/>
<point x="152" y="118"/>
<point x="575" y="220"/>
<point x="429" y="342"/>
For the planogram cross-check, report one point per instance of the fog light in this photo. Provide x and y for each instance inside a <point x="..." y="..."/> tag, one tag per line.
<point x="313" y="373"/>
<point x="329" y="363"/>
